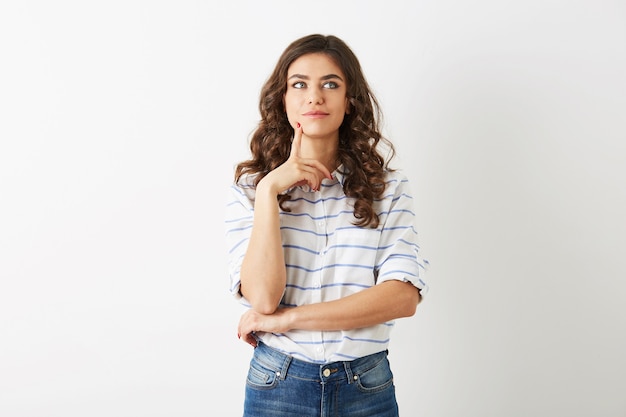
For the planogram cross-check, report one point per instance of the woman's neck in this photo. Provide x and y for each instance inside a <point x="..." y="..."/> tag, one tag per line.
<point x="325" y="151"/>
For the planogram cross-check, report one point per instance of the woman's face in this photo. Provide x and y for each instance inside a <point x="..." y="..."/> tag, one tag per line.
<point x="316" y="96"/>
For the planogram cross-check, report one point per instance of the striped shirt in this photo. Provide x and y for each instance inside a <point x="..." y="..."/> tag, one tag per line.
<point x="327" y="257"/>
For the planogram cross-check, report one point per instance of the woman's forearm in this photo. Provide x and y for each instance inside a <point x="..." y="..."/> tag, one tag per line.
<point x="375" y="305"/>
<point x="263" y="274"/>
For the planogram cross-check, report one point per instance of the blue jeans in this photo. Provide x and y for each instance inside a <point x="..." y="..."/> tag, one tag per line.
<point x="279" y="386"/>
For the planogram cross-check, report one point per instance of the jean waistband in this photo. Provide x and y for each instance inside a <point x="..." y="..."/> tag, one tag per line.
<point x="285" y="365"/>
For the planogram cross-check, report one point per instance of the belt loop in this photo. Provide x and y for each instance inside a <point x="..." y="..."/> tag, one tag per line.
<point x="346" y="365"/>
<point x="286" y="363"/>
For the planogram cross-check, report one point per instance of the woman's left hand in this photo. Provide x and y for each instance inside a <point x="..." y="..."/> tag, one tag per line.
<point x="253" y="321"/>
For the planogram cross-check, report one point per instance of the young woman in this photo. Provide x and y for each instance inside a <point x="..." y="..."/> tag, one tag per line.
<point x="321" y="241"/>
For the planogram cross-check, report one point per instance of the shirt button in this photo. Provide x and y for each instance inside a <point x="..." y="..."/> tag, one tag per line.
<point x="326" y="372"/>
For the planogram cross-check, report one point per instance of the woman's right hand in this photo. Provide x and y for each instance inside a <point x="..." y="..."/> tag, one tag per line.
<point x="296" y="170"/>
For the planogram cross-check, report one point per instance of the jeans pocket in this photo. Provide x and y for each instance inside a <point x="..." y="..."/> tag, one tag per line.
<point x="375" y="379"/>
<point x="260" y="377"/>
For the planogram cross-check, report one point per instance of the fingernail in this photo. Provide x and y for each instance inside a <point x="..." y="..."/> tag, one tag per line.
<point x="298" y="125"/>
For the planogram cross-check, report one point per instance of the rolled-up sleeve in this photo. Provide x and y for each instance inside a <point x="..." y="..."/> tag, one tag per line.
<point x="239" y="212"/>
<point x="399" y="256"/>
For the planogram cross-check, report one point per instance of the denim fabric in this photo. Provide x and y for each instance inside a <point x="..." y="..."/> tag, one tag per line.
<point x="279" y="386"/>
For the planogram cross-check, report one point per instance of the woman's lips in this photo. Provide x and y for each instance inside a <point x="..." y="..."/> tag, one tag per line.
<point x="315" y="114"/>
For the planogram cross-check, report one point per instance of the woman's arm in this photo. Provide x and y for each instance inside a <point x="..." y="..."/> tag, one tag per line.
<point x="263" y="271"/>
<point x="378" y="304"/>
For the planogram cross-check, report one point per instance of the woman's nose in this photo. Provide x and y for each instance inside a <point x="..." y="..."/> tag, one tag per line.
<point x="315" y="97"/>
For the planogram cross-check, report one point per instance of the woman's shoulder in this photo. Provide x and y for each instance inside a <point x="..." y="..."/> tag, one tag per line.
<point x="244" y="187"/>
<point x="247" y="180"/>
<point x="395" y="176"/>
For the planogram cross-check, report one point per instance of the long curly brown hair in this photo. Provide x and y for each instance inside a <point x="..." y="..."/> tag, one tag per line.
<point x="359" y="134"/>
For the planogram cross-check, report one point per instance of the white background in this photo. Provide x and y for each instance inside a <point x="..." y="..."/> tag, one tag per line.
<point x="121" y="122"/>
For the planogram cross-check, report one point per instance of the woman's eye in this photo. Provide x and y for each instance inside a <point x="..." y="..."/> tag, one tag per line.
<point x="330" y="84"/>
<point x="299" y="84"/>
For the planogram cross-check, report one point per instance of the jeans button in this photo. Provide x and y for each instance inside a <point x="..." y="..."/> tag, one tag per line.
<point x="326" y="372"/>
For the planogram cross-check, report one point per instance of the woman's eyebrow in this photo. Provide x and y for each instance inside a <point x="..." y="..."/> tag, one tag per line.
<point x="331" y="76"/>
<point x="325" y="77"/>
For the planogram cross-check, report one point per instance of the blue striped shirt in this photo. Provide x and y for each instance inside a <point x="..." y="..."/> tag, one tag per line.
<point x="327" y="257"/>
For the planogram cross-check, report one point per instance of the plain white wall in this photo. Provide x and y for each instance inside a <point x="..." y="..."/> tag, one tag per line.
<point x="120" y="125"/>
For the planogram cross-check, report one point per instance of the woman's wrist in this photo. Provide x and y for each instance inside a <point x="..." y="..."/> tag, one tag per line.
<point x="290" y="316"/>
<point x="266" y="188"/>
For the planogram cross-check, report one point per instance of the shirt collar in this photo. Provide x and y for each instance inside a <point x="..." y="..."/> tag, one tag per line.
<point x="340" y="174"/>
